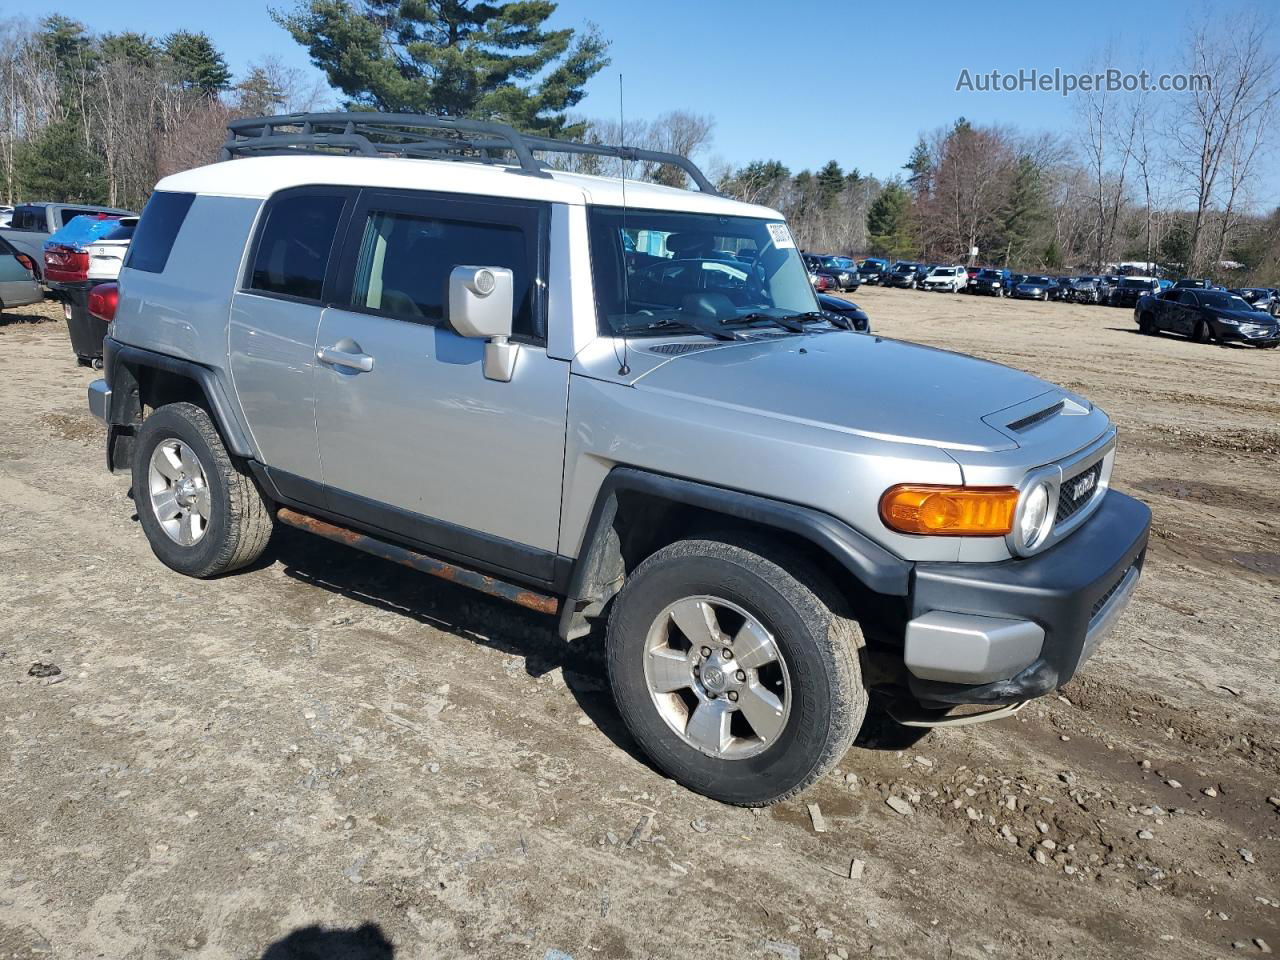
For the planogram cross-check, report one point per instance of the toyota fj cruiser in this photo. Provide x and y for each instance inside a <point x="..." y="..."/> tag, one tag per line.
<point x="618" y="403"/>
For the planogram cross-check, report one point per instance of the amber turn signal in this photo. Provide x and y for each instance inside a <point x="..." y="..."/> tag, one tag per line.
<point x="949" y="511"/>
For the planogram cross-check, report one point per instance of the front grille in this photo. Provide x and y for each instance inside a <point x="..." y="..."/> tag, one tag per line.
<point x="1102" y="600"/>
<point x="1068" y="503"/>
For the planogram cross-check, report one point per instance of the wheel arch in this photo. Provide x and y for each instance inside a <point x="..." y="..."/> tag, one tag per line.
<point x="141" y="378"/>
<point x="637" y="512"/>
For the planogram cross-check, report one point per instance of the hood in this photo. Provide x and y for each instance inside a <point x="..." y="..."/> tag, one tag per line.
<point x="864" y="385"/>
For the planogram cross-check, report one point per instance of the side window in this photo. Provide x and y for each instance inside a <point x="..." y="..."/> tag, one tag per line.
<point x="28" y="218"/>
<point x="404" y="261"/>
<point x="157" y="229"/>
<point x="294" y="244"/>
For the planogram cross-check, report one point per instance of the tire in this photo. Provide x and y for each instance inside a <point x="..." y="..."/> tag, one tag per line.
<point x="1147" y="325"/>
<point x="815" y="674"/>
<point x="1201" y="333"/>
<point x="237" y="520"/>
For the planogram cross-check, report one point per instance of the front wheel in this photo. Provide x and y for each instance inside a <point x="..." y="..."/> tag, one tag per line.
<point x="201" y="512"/>
<point x="1147" y="325"/>
<point x="734" y="670"/>
<point x="1202" y="333"/>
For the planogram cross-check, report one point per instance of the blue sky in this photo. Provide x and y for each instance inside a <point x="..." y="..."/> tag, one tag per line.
<point x="801" y="81"/>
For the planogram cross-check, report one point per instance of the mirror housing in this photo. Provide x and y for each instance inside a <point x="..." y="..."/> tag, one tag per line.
<point x="481" y="306"/>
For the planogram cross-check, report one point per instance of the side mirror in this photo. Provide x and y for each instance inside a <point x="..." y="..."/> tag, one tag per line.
<point x="481" y="306"/>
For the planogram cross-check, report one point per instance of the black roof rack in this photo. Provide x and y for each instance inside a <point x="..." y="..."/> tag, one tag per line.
<point x="373" y="134"/>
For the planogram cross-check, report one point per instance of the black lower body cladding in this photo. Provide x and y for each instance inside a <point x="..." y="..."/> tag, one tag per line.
<point x="1062" y="589"/>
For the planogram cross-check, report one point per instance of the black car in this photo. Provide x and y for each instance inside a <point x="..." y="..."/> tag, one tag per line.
<point x="903" y="274"/>
<point x="1131" y="289"/>
<point x="847" y="309"/>
<point x="1206" y="316"/>
<point x="989" y="282"/>
<point x="1263" y="298"/>
<point x="842" y="270"/>
<point x="1035" y="288"/>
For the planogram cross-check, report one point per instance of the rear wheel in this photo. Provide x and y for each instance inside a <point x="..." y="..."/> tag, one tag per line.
<point x="733" y="671"/>
<point x="201" y="512"/>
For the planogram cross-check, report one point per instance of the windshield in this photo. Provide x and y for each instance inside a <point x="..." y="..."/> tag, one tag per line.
<point x="1138" y="284"/>
<point x="1224" y="301"/>
<point x="989" y="275"/>
<point x="1040" y="281"/>
<point x="656" y="271"/>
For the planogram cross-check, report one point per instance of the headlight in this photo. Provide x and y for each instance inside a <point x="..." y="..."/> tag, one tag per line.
<point x="1231" y="320"/>
<point x="1034" y="518"/>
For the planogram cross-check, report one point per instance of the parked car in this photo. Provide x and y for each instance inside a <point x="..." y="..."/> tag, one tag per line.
<point x="72" y="270"/>
<point x="1131" y="289"/>
<point x="841" y="269"/>
<point x="1035" y="288"/>
<point x="1206" y="316"/>
<point x="1083" y="290"/>
<point x="687" y="450"/>
<point x="18" y="286"/>
<point x="6" y="215"/>
<point x="990" y="282"/>
<point x="1262" y="298"/>
<point x="847" y="310"/>
<point x="33" y="223"/>
<point x="872" y="270"/>
<point x="822" y="282"/>
<point x="945" y="279"/>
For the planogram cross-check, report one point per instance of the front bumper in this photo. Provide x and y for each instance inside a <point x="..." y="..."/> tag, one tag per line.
<point x="1259" y="337"/>
<point x="100" y="399"/>
<point x="996" y="633"/>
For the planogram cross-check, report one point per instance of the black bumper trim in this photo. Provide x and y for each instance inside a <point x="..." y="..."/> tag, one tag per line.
<point x="1057" y="589"/>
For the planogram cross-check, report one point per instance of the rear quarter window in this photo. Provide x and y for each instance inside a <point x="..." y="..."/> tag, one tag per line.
<point x="157" y="229"/>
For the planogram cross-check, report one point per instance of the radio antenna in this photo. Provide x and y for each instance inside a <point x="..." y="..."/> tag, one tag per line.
<point x="623" y="368"/>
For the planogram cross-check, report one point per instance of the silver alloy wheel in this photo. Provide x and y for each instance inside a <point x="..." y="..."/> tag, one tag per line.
<point x="179" y="492"/>
<point x="728" y="696"/>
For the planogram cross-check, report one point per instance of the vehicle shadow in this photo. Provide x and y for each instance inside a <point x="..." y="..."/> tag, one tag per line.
<point x="501" y="626"/>
<point x="1177" y="338"/>
<point x="460" y="612"/>
<point x="366" y="942"/>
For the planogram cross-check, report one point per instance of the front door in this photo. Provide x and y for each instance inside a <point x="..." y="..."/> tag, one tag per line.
<point x="413" y="438"/>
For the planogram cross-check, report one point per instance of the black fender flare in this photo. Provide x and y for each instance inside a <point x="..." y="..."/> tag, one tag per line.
<point x="878" y="569"/>
<point x="123" y="364"/>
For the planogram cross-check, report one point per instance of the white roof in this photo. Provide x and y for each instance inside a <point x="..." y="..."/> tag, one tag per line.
<point x="259" y="177"/>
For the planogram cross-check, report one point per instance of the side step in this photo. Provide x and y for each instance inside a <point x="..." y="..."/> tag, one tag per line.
<point x="521" y="596"/>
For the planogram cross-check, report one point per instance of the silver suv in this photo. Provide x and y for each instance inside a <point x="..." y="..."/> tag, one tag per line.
<point x="617" y="403"/>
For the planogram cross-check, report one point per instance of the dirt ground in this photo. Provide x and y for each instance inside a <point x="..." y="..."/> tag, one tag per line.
<point x="329" y="756"/>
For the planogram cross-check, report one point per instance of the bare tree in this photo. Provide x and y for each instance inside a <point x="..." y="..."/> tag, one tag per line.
<point x="1220" y="129"/>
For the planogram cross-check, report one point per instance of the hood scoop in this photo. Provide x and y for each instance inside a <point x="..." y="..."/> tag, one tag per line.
<point x="1021" y="419"/>
<point x="676" y="349"/>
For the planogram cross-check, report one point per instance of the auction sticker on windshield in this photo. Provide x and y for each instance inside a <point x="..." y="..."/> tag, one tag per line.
<point x="781" y="236"/>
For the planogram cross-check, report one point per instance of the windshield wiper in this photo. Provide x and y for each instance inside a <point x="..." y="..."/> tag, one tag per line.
<point x="790" y="322"/>
<point x="706" y="329"/>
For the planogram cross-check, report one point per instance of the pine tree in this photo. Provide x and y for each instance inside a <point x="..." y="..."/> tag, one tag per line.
<point x="830" y="181"/>
<point x="889" y="222"/>
<point x="57" y="166"/>
<point x="1027" y="211"/>
<point x="136" y="49"/>
<point x="198" y="63"/>
<point x="920" y="168"/>
<point x="457" y="58"/>
<point x="259" y="94"/>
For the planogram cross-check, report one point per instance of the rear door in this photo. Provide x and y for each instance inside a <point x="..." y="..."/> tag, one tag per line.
<point x="274" y="319"/>
<point x="413" y="437"/>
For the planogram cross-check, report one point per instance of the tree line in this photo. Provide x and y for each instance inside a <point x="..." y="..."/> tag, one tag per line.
<point x="1172" y="180"/>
